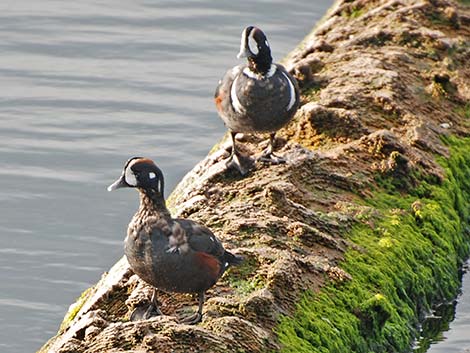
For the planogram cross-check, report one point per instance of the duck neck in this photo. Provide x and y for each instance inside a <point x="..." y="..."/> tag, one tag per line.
<point x="261" y="64"/>
<point x="152" y="203"/>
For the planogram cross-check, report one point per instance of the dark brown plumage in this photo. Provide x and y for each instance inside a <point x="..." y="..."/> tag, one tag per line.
<point x="175" y="255"/>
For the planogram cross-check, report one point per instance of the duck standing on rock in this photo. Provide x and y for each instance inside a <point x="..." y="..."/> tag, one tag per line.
<point x="256" y="97"/>
<point x="174" y="255"/>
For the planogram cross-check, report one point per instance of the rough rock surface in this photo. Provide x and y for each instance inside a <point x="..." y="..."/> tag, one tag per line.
<point x="381" y="81"/>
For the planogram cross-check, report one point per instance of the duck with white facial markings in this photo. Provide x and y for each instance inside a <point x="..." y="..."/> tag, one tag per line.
<point x="174" y="255"/>
<point x="256" y="97"/>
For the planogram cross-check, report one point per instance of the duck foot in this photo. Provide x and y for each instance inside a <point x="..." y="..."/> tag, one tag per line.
<point x="197" y="317"/>
<point x="268" y="155"/>
<point x="242" y="164"/>
<point x="271" y="158"/>
<point x="145" y="312"/>
<point x="192" y="319"/>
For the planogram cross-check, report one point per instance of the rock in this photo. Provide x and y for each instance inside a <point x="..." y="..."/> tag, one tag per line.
<point x="319" y="45"/>
<point x="383" y="84"/>
<point x="445" y="125"/>
<point x="452" y="16"/>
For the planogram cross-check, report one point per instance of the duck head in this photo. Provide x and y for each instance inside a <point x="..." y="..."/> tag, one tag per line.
<point x="142" y="173"/>
<point x="255" y="47"/>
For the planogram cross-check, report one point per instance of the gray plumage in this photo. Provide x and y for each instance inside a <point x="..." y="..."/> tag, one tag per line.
<point x="257" y="97"/>
<point x="264" y="101"/>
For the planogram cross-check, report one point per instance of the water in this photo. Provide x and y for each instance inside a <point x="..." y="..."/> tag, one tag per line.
<point x="85" y="85"/>
<point x="448" y="330"/>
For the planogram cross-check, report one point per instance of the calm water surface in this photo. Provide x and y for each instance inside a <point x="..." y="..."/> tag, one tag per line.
<point x="453" y="337"/>
<point x="85" y="85"/>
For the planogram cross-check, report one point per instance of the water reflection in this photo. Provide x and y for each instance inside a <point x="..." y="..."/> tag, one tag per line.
<point x="447" y="330"/>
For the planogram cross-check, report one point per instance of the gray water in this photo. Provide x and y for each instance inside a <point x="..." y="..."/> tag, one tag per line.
<point x="86" y="85"/>
<point x="447" y="330"/>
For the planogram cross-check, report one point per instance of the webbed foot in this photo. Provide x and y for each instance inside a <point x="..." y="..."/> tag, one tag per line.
<point x="242" y="164"/>
<point x="192" y="319"/>
<point x="145" y="312"/>
<point x="268" y="155"/>
<point x="197" y="317"/>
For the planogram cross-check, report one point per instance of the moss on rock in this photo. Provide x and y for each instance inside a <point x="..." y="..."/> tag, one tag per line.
<point x="402" y="264"/>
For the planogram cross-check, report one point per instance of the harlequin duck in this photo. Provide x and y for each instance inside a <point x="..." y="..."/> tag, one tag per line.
<point x="174" y="255"/>
<point x="258" y="96"/>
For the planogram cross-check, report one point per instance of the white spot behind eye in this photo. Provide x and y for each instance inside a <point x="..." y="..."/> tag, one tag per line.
<point x="152" y="175"/>
<point x="266" y="42"/>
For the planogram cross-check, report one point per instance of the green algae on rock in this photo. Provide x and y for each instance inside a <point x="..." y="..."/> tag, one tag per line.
<point x="407" y="260"/>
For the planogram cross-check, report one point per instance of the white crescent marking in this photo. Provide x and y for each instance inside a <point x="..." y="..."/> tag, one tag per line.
<point x="233" y="95"/>
<point x="129" y="175"/>
<point x="291" y="91"/>
<point x="252" y="43"/>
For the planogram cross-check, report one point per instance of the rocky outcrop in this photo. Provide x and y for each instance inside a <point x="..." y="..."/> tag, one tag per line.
<point x="383" y="83"/>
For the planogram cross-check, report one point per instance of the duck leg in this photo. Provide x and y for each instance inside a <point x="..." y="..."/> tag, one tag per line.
<point x="235" y="159"/>
<point x="268" y="153"/>
<point x="146" y="312"/>
<point x="197" y="317"/>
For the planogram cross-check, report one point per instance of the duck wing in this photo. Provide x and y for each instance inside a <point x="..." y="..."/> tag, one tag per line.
<point x="223" y="94"/>
<point x="200" y="238"/>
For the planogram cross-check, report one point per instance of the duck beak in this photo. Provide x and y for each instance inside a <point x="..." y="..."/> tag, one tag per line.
<point x="120" y="183"/>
